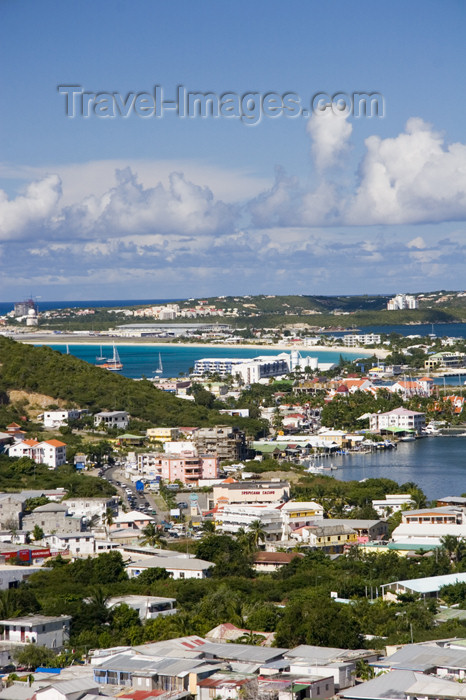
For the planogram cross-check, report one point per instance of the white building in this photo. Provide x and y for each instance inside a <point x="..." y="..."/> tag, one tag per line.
<point x="11" y="576"/>
<point x="111" y="419"/>
<point x="92" y="507"/>
<point x="51" y="632"/>
<point x="80" y="544"/>
<point x="353" y="340"/>
<point x="399" y="418"/>
<point x="55" y="419"/>
<point x="392" y="503"/>
<point x="49" y="452"/>
<point x="296" y="514"/>
<point x="232" y="518"/>
<point x="69" y="690"/>
<point x="250" y="492"/>
<point x="250" y="371"/>
<point x="148" y="607"/>
<point x="179" y="567"/>
<point x="430" y="525"/>
<point x="402" y="301"/>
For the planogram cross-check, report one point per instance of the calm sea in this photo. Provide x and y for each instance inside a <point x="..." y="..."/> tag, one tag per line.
<point x="436" y="464"/>
<point x="453" y="330"/>
<point x="143" y="360"/>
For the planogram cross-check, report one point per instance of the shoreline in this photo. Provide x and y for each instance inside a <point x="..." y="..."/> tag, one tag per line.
<point x="71" y="340"/>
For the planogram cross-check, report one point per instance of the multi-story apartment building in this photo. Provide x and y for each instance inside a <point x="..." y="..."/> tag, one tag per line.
<point x="402" y="301"/>
<point x="225" y="442"/>
<point x="399" y="418"/>
<point x="445" y="360"/>
<point x="185" y="467"/>
<point x="250" y="370"/>
<point x="49" y="452"/>
<point x="353" y="340"/>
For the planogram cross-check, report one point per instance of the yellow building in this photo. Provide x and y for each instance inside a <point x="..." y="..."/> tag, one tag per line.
<point x="163" y="434"/>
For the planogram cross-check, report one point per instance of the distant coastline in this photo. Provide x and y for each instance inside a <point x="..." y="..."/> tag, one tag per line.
<point x="94" y="340"/>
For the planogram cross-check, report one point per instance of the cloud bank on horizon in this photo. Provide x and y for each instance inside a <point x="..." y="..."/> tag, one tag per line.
<point x="414" y="178"/>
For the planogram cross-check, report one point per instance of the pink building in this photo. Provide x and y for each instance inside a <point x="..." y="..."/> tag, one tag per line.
<point x="186" y="467"/>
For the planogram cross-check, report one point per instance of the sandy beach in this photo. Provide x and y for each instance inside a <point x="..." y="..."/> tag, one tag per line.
<point x="70" y="339"/>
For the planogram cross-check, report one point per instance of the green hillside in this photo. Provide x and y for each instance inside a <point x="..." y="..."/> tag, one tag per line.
<point x="46" y="371"/>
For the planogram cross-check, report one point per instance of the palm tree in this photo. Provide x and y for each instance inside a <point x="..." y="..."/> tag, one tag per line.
<point x="208" y="527"/>
<point x="97" y="605"/>
<point x="8" y="607"/>
<point x="454" y="546"/>
<point x="152" y="536"/>
<point x="107" y="519"/>
<point x="257" y="533"/>
<point x="251" y="638"/>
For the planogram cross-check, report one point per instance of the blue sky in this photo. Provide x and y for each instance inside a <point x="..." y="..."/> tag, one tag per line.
<point x="170" y="207"/>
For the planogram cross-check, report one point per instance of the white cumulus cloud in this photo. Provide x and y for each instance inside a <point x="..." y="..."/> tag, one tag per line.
<point x="412" y="178"/>
<point x="330" y="133"/>
<point x="32" y="208"/>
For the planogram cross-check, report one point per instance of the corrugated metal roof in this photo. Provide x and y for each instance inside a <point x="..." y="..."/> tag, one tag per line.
<point x="246" y="652"/>
<point x="429" y="584"/>
<point x="417" y="657"/>
<point x="391" y="686"/>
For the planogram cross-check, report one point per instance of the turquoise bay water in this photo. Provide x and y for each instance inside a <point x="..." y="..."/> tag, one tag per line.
<point x="142" y="360"/>
<point x="436" y="464"/>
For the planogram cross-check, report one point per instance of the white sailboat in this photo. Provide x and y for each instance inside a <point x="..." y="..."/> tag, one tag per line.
<point x="114" y="364"/>
<point x="100" y="357"/>
<point x="159" y="369"/>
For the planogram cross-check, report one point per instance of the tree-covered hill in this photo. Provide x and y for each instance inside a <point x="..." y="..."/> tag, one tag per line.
<point x="43" y="370"/>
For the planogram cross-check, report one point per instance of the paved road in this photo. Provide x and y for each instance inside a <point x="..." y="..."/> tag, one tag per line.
<point x="136" y="500"/>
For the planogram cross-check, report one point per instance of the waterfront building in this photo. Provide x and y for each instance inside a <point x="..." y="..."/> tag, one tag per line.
<point x="398" y="420"/>
<point x="445" y="360"/>
<point x="402" y="301"/>
<point x="354" y="340"/>
<point x="175" y="330"/>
